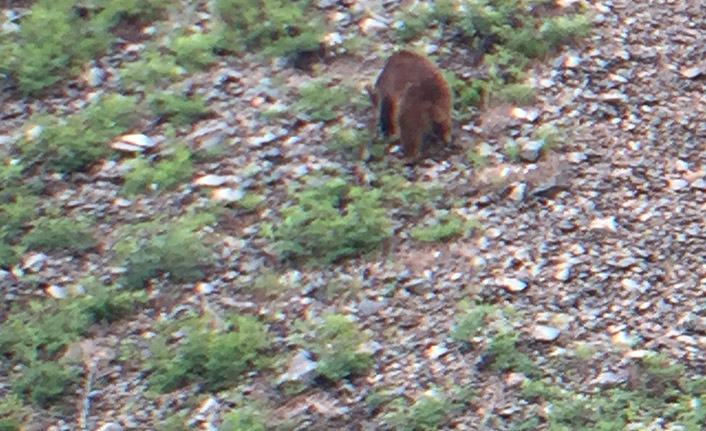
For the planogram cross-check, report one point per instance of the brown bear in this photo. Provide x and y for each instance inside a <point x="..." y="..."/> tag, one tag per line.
<point x="413" y="101"/>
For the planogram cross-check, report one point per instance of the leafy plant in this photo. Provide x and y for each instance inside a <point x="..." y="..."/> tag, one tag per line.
<point x="215" y="359"/>
<point x="163" y="175"/>
<point x="337" y="346"/>
<point x="244" y="418"/>
<point x="331" y="220"/>
<point x="471" y="323"/>
<point x="194" y="51"/>
<point x="57" y="233"/>
<point x="177" y="109"/>
<point x="426" y="413"/>
<point x="278" y="27"/>
<point x="443" y="227"/>
<point x="151" y="71"/>
<point x="320" y="101"/>
<point x="77" y="141"/>
<point x="172" y="248"/>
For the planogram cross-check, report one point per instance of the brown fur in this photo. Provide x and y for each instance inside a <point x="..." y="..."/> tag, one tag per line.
<point x="413" y="101"/>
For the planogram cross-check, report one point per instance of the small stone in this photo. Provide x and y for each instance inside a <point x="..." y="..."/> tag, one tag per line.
<point x="34" y="262"/>
<point x="621" y="338"/>
<point x="204" y="288"/>
<point x="110" y="426"/>
<point x="368" y="307"/>
<point x="139" y="140"/>
<point x="55" y="291"/>
<point x="630" y="284"/>
<point x="514" y="285"/>
<point x="699" y="184"/>
<point x="433" y="352"/>
<point x="563" y="272"/>
<point x="605" y="223"/>
<point x="368" y="25"/>
<point x="693" y="72"/>
<point x="211" y="180"/>
<point x="545" y="333"/>
<point x="227" y="194"/>
<point x="678" y="184"/>
<point x="518" y="192"/>
<point x="607" y="378"/>
<point x="531" y="150"/>
<point x="300" y="368"/>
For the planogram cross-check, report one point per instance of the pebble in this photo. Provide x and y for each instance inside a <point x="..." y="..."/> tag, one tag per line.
<point x="545" y="333"/>
<point x="513" y="285"/>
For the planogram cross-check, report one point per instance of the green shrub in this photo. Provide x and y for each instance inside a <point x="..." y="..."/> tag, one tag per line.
<point x="244" y="418"/>
<point x="426" y="413"/>
<point x="172" y="248"/>
<point x="55" y="39"/>
<point x="214" y="359"/>
<point x="77" y="141"/>
<point x="194" y="51"/>
<point x="502" y="349"/>
<point x="446" y="226"/>
<point x="331" y="220"/>
<point x="278" y="27"/>
<point x="163" y="175"/>
<point x="319" y="101"/>
<point x="106" y="303"/>
<point x="62" y="233"/>
<point x="337" y="347"/>
<point x="177" y="109"/>
<point x="151" y="71"/>
<point x="42" y="382"/>
<point x="471" y="323"/>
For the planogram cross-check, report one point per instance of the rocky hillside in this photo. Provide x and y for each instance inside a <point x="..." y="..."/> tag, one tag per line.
<point x="188" y="242"/>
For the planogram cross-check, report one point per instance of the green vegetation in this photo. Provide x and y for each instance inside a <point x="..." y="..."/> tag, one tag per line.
<point x="277" y="27"/>
<point x="58" y="36"/>
<point x="176" y="108"/>
<point x="74" y="142"/>
<point x="151" y="71"/>
<point x="506" y="34"/>
<point x="194" y="51"/>
<point x="331" y="219"/>
<point x="426" y="413"/>
<point x="337" y="346"/>
<point x="445" y="226"/>
<point x="214" y="359"/>
<point x="170" y="171"/>
<point x="171" y="248"/>
<point x="33" y="340"/>
<point x="59" y="233"/>
<point x="319" y="101"/>
<point x="245" y="418"/>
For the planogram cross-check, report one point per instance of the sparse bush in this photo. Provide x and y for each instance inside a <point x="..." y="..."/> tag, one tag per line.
<point x="445" y="226"/>
<point x="502" y="349"/>
<point x="337" y="346"/>
<point x="150" y="71"/>
<point x="320" y="102"/>
<point x="471" y="323"/>
<point x="163" y="175"/>
<point x="79" y="140"/>
<point x="426" y="413"/>
<point x="179" y="110"/>
<point x="172" y="248"/>
<point x="214" y="359"/>
<point x="331" y="220"/>
<point x="57" y="36"/>
<point x="278" y="27"/>
<point x="42" y="382"/>
<point x="59" y="233"/>
<point x="244" y="418"/>
<point x="194" y="51"/>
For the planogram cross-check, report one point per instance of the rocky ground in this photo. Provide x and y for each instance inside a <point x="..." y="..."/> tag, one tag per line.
<point x="600" y="243"/>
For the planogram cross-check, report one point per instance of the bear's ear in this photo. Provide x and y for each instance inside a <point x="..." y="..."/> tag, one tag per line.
<point x="372" y="94"/>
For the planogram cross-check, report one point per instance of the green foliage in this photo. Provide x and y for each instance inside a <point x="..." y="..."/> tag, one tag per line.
<point x="59" y="233"/>
<point x="519" y="94"/>
<point x="42" y="382"/>
<point x="319" y="101"/>
<point x="244" y="418"/>
<point x="503" y="351"/>
<point x="175" y="248"/>
<point x="445" y="226"/>
<point x="54" y="39"/>
<point x="337" y="346"/>
<point x="330" y="220"/>
<point x="472" y="323"/>
<point x="278" y="27"/>
<point x="76" y="141"/>
<point x="563" y="29"/>
<point x="33" y="340"/>
<point x="176" y="108"/>
<point x="163" y="175"/>
<point x="150" y="71"/>
<point x="426" y="413"/>
<point x="214" y="359"/>
<point x="550" y="136"/>
<point x="12" y="414"/>
<point x="194" y="51"/>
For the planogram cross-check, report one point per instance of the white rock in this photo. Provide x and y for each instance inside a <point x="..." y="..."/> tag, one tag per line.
<point x="545" y="333"/>
<point x="605" y="223"/>
<point x="300" y="367"/>
<point x="621" y="338"/>
<point x="513" y="285"/>
<point x="138" y="139"/>
<point x="518" y="192"/>
<point x="55" y="291"/>
<point x="678" y="184"/>
<point x="434" y="351"/>
<point x="204" y="288"/>
<point x="110" y="426"/>
<point x="211" y="180"/>
<point x="368" y="25"/>
<point x="227" y="194"/>
<point x="34" y="262"/>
